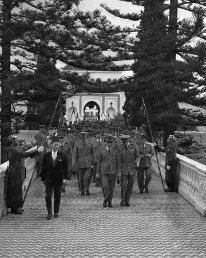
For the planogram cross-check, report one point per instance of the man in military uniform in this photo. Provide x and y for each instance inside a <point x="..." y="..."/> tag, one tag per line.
<point x="146" y="151"/>
<point x="67" y="149"/>
<point x="97" y="146"/>
<point x="107" y="169"/>
<point x="41" y="141"/>
<point x="128" y="155"/>
<point x="83" y="159"/>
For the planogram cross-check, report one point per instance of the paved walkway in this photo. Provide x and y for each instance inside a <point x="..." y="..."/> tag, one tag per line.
<point x="156" y="225"/>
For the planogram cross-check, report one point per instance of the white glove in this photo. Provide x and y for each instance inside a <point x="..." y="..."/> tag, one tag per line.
<point x="40" y="149"/>
<point x="65" y="181"/>
<point x="168" y="167"/>
<point x="98" y="175"/>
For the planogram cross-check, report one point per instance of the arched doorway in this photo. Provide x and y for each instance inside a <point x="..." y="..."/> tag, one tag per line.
<point x="72" y="115"/>
<point x="91" y="111"/>
<point x="111" y="113"/>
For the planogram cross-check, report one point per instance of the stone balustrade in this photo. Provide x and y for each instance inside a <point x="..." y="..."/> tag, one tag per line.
<point x="192" y="180"/>
<point x="30" y="166"/>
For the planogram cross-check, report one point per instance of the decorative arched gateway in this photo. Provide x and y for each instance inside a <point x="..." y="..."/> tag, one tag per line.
<point x="111" y="113"/>
<point x="91" y="111"/>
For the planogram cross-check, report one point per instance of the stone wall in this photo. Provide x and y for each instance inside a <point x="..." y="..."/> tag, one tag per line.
<point x="192" y="180"/>
<point x="30" y="167"/>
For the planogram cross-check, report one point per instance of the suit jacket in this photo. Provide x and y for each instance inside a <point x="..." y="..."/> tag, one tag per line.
<point x="83" y="155"/>
<point x="145" y="161"/>
<point x="54" y="170"/>
<point x="127" y="159"/>
<point x="108" y="161"/>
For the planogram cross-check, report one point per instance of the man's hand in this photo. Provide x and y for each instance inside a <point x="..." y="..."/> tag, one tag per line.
<point x="98" y="175"/>
<point x="168" y="167"/>
<point x="64" y="181"/>
<point x="40" y="149"/>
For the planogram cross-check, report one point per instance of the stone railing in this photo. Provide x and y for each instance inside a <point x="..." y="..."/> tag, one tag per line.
<point x="192" y="180"/>
<point x="30" y="164"/>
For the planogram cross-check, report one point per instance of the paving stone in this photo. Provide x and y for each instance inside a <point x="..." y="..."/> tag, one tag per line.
<point x="157" y="224"/>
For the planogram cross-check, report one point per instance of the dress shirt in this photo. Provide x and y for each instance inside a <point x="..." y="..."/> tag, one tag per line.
<point x="54" y="155"/>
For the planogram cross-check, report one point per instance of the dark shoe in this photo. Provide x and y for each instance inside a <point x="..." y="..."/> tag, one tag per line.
<point x="82" y="193"/>
<point x="141" y="191"/>
<point x="56" y="215"/>
<point x="122" y="203"/>
<point x="49" y="216"/>
<point x="146" y="190"/>
<point x="87" y="193"/>
<point x="105" y="204"/>
<point x="110" y="205"/>
<point x="127" y="204"/>
<point x="16" y="211"/>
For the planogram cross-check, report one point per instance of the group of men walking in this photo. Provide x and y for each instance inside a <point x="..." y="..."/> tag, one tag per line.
<point x="101" y="158"/>
<point x="105" y="159"/>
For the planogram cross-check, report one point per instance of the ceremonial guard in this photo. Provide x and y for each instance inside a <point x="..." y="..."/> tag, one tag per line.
<point x="83" y="159"/>
<point x="171" y="177"/>
<point x="144" y="172"/>
<point x="107" y="169"/>
<point x="15" y="174"/>
<point x="54" y="172"/>
<point x="129" y="153"/>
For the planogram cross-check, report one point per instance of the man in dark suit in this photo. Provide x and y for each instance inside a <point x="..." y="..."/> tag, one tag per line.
<point x="54" y="172"/>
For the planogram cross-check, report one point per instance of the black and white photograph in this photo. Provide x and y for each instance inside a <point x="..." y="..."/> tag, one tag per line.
<point x="103" y="128"/>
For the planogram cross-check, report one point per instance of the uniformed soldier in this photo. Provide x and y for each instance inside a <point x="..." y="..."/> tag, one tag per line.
<point x="128" y="156"/>
<point x="144" y="172"/>
<point x="171" y="150"/>
<point x="107" y="168"/>
<point x="97" y="146"/>
<point x="83" y="159"/>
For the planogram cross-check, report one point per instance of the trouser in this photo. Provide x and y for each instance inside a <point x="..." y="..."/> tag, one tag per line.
<point x="50" y="188"/>
<point x="171" y="177"/>
<point x="144" y="175"/>
<point x="108" y="184"/>
<point x="84" y="179"/>
<point x="127" y="182"/>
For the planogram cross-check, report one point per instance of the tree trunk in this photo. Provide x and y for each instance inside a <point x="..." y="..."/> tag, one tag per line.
<point x="6" y="91"/>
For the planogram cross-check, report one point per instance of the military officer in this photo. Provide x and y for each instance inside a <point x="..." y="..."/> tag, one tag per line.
<point x="146" y="151"/>
<point x="83" y="159"/>
<point x="97" y="147"/>
<point x="128" y="156"/>
<point x="107" y="168"/>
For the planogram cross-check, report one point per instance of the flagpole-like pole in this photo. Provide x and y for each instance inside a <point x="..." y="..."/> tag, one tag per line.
<point x="152" y="141"/>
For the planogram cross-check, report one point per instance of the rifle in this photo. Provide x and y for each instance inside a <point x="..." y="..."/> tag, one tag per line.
<point x="152" y="141"/>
